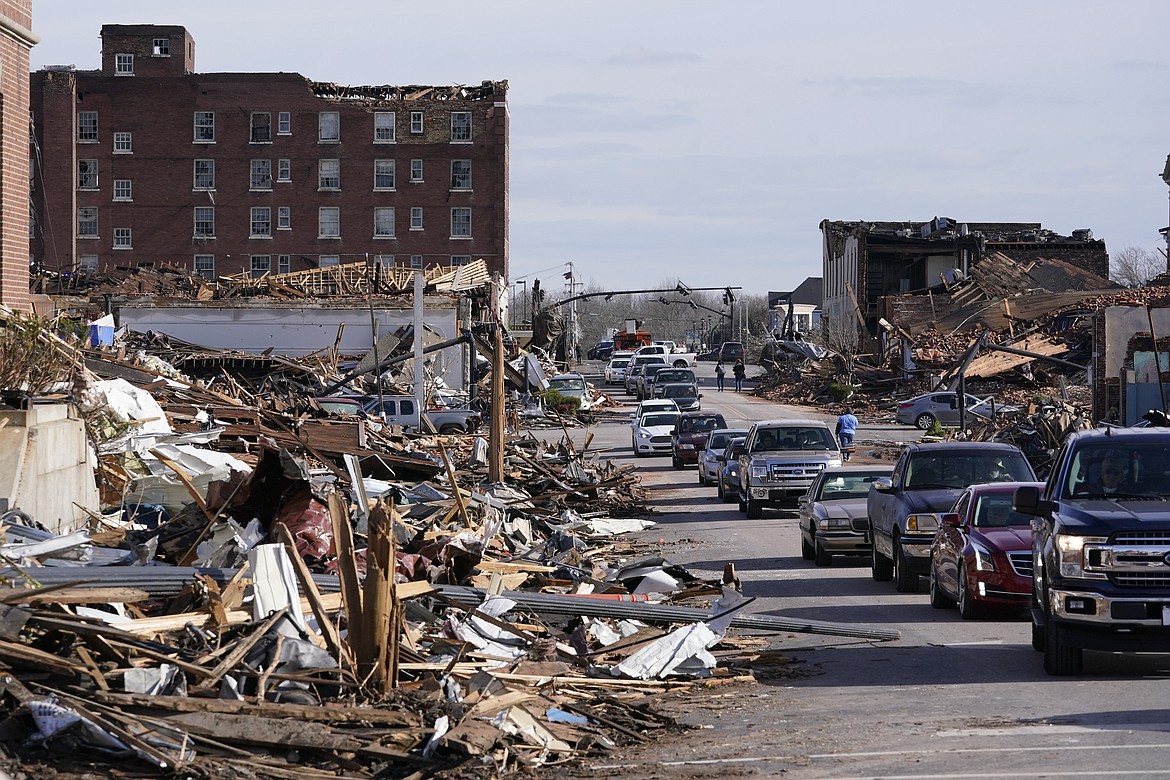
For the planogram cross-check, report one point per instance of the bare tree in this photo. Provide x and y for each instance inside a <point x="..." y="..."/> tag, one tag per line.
<point x="1134" y="266"/>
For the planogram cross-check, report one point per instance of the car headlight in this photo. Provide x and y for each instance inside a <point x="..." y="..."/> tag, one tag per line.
<point x="983" y="559"/>
<point x="759" y="471"/>
<point x="1076" y="555"/>
<point x="643" y="434"/>
<point x="922" y="523"/>
<point x="733" y="472"/>
<point x="686" y="446"/>
<point x="833" y="524"/>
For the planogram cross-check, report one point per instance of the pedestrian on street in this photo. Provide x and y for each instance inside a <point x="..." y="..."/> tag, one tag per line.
<point x="846" y="430"/>
<point x="739" y="371"/>
<point x="719" y="374"/>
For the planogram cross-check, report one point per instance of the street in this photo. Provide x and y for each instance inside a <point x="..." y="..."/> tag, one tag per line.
<point x="950" y="699"/>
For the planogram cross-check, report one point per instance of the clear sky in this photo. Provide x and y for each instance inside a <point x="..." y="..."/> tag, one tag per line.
<point x="662" y="139"/>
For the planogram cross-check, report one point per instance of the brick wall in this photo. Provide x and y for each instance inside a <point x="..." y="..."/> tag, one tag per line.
<point x="158" y="112"/>
<point x="16" y="39"/>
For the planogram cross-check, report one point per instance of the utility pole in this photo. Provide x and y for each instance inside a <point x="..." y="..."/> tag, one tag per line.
<point x="496" y="432"/>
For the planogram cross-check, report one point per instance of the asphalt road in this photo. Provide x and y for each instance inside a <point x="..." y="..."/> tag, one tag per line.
<point x="950" y="699"/>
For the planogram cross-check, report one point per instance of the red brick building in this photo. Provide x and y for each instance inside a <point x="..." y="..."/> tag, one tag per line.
<point x="16" y="39"/>
<point x="148" y="162"/>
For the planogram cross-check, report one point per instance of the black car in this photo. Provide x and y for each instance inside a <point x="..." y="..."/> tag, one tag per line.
<point x="601" y="350"/>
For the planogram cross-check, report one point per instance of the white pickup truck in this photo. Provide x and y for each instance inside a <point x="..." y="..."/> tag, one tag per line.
<point x="669" y="354"/>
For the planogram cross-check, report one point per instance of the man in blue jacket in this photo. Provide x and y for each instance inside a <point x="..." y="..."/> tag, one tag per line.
<point x="846" y="430"/>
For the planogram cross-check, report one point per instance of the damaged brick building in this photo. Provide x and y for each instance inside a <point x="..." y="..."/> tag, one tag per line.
<point x="147" y="162"/>
<point x="866" y="263"/>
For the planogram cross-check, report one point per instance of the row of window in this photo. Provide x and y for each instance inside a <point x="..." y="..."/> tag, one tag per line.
<point x="261" y="224"/>
<point x="260" y="127"/>
<point x="260" y="265"/>
<point x="260" y="175"/>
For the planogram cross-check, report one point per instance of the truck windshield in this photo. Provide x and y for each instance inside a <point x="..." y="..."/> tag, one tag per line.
<point x="795" y="438"/>
<point x="960" y="468"/>
<point x="1119" y="470"/>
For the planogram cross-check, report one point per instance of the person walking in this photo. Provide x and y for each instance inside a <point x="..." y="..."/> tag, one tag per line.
<point x="739" y="371"/>
<point x="846" y="430"/>
<point x="720" y="372"/>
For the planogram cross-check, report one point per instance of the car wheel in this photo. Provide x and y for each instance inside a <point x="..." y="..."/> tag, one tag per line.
<point x="880" y="567"/>
<point x="905" y="581"/>
<point x="754" y="511"/>
<point x="702" y="477"/>
<point x="719" y="489"/>
<point x="924" y="421"/>
<point x="822" y="556"/>
<point x="806" y="548"/>
<point x="938" y="599"/>
<point x="1037" y="628"/>
<point x="674" y="461"/>
<point x="1059" y="658"/>
<point x="743" y="507"/>
<point x="680" y="364"/>
<point x="967" y="606"/>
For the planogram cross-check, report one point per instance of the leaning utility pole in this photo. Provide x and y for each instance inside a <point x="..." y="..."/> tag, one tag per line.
<point x="496" y="434"/>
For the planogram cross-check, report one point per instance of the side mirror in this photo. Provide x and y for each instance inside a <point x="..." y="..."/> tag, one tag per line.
<point x="802" y="499"/>
<point x="700" y="395"/>
<point x="883" y="485"/>
<point x="1026" y="500"/>
<point x="950" y="519"/>
<point x="674" y="431"/>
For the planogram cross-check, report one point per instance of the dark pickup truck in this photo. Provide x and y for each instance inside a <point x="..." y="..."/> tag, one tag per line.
<point x="903" y="508"/>
<point x="1101" y="547"/>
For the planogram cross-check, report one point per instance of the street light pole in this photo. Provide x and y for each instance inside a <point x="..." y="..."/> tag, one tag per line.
<point x="1166" y="230"/>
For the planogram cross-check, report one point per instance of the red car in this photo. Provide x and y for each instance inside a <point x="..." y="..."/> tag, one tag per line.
<point x="981" y="556"/>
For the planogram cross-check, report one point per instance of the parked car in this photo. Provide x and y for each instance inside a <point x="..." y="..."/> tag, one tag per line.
<point x="903" y="509"/>
<point x="601" y="350"/>
<point x="400" y="410"/>
<point x="832" y="513"/>
<point x="340" y="404"/>
<point x="729" y="475"/>
<point x="923" y="410"/>
<point x="731" y="351"/>
<point x="615" y="371"/>
<point x="685" y="394"/>
<point x="981" y="556"/>
<point x="781" y="460"/>
<point x="711" y="456"/>
<point x="572" y="386"/>
<point x="652" y="433"/>
<point x="690" y="436"/>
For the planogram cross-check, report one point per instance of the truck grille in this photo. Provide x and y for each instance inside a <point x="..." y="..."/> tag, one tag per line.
<point x="1141" y="537"/>
<point x="778" y="472"/>
<point x="1142" y="579"/>
<point x="1021" y="562"/>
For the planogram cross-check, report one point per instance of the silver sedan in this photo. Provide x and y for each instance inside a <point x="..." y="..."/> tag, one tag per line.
<point x="832" y="513"/>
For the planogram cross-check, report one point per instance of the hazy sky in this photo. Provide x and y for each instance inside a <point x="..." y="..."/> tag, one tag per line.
<point x="655" y="139"/>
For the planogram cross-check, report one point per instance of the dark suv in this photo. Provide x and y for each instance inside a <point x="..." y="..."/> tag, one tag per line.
<point x="731" y="351"/>
<point x="690" y="436"/>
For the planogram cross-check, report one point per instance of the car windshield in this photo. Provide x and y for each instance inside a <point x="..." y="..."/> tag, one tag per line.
<point x="655" y="419"/>
<point x="562" y="385"/>
<point x="619" y="363"/>
<point x="698" y="424"/>
<point x="960" y="468"/>
<point x="718" y="441"/>
<point x="994" y="510"/>
<point x="339" y="406"/>
<point x="675" y="375"/>
<point x="794" y="438"/>
<point x="842" y="486"/>
<point x="679" y="391"/>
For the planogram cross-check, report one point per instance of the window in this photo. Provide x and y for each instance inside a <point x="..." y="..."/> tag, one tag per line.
<point x="123" y="143"/>
<point x="461" y="174"/>
<point x="261" y="265"/>
<point x="461" y="222"/>
<point x="329" y="222"/>
<point x="87" y="128"/>
<point x="87" y="222"/>
<point x="122" y="239"/>
<point x="329" y="127"/>
<point x="87" y="264"/>
<point x="384" y="261"/>
<point x="284" y="170"/>
<point x="261" y="175"/>
<point x="384" y="222"/>
<point x="383" y="174"/>
<point x="383" y="127"/>
<point x="205" y="266"/>
<point x="123" y="64"/>
<point x="416" y="170"/>
<point x="162" y="47"/>
<point x="284" y="218"/>
<point x="87" y="174"/>
<point x="283" y="264"/>
<point x="416" y="119"/>
<point x="284" y="123"/>
<point x="261" y="128"/>
<point x="458" y="260"/>
<point x="123" y="189"/>
<point x="204" y="126"/>
<point x="460" y="126"/>
<point x="416" y="222"/>
<point x="261" y="222"/>
<point x="329" y="174"/>
<point x="204" y="222"/>
<point x="204" y="175"/>
<point x="328" y="261"/>
<point x="416" y="261"/>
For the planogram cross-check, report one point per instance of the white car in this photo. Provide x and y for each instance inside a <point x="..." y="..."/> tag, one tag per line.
<point x="654" y="405"/>
<point x="615" y="372"/>
<point x="709" y="463"/>
<point x="652" y="433"/>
